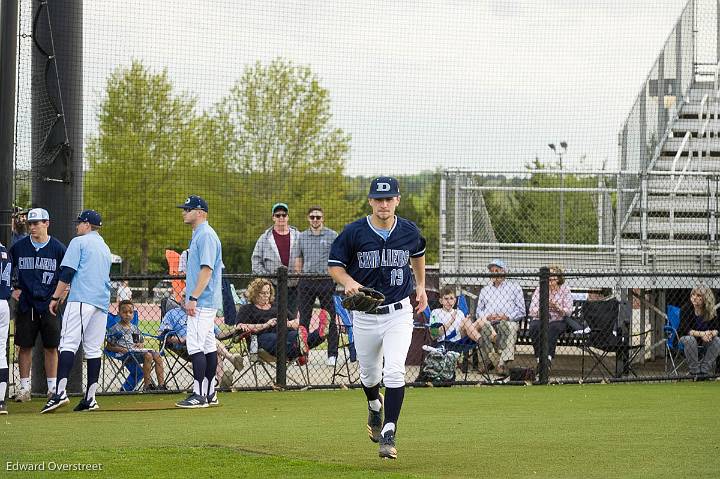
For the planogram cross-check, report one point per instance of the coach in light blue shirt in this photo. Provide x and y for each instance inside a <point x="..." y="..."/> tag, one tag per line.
<point x="90" y="258"/>
<point x="205" y="250"/>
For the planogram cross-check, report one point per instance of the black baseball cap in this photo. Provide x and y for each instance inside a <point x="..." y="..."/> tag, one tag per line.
<point x="384" y="187"/>
<point x="89" y="216"/>
<point x="194" y="202"/>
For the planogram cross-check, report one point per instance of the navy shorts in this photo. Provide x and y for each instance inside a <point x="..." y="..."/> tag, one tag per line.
<point x="31" y="323"/>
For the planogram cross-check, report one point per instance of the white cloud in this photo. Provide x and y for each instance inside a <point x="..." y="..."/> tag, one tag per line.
<point x="417" y="84"/>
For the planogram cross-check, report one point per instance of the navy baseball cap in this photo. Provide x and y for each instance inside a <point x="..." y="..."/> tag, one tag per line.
<point x="89" y="216"/>
<point x="280" y="206"/>
<point x="384" y="187"/>
<point x="194" y="202"/>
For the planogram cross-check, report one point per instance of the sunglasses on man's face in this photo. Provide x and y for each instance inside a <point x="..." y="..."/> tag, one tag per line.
<point x="313" y="217"/>
<point x="280" y="215"/>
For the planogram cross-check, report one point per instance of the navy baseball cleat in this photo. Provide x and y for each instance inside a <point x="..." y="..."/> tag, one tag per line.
<point x="193" y="401"/>
<point x="87" y="405"/>
<point x="375" y="421"/>
<point x="212" y="399"/>
<point x="387" y="445"/>
<point x="55" y="402"/>
<point x="3" y="408"/>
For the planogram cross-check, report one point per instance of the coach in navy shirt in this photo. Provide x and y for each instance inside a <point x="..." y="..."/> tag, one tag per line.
<point x="36" y="262"/>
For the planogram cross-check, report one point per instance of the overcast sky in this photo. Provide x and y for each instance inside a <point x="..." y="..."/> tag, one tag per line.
<point x="418" y="85"/>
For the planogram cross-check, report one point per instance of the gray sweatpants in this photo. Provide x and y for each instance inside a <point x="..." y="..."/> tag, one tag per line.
<point x="707" y="364"/>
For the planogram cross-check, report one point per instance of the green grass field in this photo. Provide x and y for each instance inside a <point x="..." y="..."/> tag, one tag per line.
<point x="588" y="431"/>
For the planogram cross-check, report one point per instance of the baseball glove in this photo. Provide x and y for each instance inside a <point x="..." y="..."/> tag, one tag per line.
<point x="365" y="300"/>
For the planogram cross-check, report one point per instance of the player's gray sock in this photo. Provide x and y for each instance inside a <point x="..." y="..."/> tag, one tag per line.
<point x="393" y="403"/>
<point x="93" y="374"/>
<point x="199" y="365"/>
<point x="4" y="375"/>
<point x="211" y="361"/>
<point x="65" y="364"/>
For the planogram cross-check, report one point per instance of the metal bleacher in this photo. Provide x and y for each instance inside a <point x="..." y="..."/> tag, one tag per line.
<point x="664" y="216"/>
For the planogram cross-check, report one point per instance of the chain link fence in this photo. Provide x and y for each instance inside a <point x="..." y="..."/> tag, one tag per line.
<point x="545" y="326"/>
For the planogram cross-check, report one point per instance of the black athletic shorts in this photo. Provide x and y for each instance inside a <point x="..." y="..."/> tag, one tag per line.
<point x="32" y="322"/>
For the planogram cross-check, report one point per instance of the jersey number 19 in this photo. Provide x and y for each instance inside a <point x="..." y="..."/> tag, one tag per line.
<point x="396" y="277"/>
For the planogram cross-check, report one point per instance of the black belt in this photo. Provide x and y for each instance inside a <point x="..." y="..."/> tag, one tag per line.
<point x="388" y="308"/>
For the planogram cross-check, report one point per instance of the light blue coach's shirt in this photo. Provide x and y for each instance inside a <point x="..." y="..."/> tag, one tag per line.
<point x="90" y="257"/>
<point x="205" y="250"/>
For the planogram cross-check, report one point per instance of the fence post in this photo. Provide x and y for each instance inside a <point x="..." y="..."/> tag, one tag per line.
<point x="281" y="344"/>
<point x="544" y="321"/>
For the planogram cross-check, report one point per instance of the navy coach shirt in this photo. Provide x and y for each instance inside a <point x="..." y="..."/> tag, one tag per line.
<point x="376" y="262"/>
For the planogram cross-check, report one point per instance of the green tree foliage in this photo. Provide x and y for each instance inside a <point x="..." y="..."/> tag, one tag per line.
<point x="146" y="135"/>
<point x="280" y="145"/>
<point x="269" y="140"/>
<point x="533" y="217"/>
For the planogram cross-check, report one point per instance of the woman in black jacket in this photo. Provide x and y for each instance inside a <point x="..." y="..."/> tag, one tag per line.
<point x="699" y="325"/>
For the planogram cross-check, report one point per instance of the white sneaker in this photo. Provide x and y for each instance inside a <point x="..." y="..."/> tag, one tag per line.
<point x="23" y="395"/>
<point x="331" y="361"/>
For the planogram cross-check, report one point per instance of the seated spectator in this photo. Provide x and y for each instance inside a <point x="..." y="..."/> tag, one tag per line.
<point x="699" y="325"/>
<point x="501" y="307"/>
<point x="448" y="324"/>
<point x="259" y="317"/>
<point x="561" y="306"/>
<point x="126" y="339"/>
<point x="175" y="322"/>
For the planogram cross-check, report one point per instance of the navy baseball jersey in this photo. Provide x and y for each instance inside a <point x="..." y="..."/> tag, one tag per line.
<point x="36" y="271"/>
<point x="5" y="273"/>
<point x="376" y="262"/>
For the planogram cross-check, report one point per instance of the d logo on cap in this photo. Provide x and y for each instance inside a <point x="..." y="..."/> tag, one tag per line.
<point x="382" y="187"/>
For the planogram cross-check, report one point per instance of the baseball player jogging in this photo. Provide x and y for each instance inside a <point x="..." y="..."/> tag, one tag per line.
<point x="85" y="269"/>
<point x="203" y="297"/>
<point x="376" y="252"/>
<point x="5" y="271"/>
<point x="36" y="267"/>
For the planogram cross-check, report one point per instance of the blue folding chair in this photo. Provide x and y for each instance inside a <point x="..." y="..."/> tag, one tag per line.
<point x="346" y="347"/>
<point x="674" y="351"/>
<point x="128" y="361"/>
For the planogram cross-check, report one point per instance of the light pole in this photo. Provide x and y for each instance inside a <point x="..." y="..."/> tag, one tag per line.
<point x="560" y="152"/>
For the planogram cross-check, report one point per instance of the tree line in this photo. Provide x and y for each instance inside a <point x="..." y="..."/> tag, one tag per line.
<point x="270" y="139"/>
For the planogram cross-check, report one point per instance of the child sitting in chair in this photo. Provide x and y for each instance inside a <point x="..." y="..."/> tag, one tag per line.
<point x="126" y="339"/>
<point x="450" y="325"/>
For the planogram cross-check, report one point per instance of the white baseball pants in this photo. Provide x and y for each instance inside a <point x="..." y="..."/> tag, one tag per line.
<point x="201" y="331"/>
<point x="383" y="336"/>
<point x="83" y="322"/>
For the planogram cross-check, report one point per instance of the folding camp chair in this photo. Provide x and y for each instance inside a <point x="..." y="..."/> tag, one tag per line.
<point x="116" y="362"/>
<point x="178" y="368"/>
<point x="607" y="335"/>
<point x="346" y="345"/>
<point x="262" y="364"/>
<point x="674" y="351"/>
